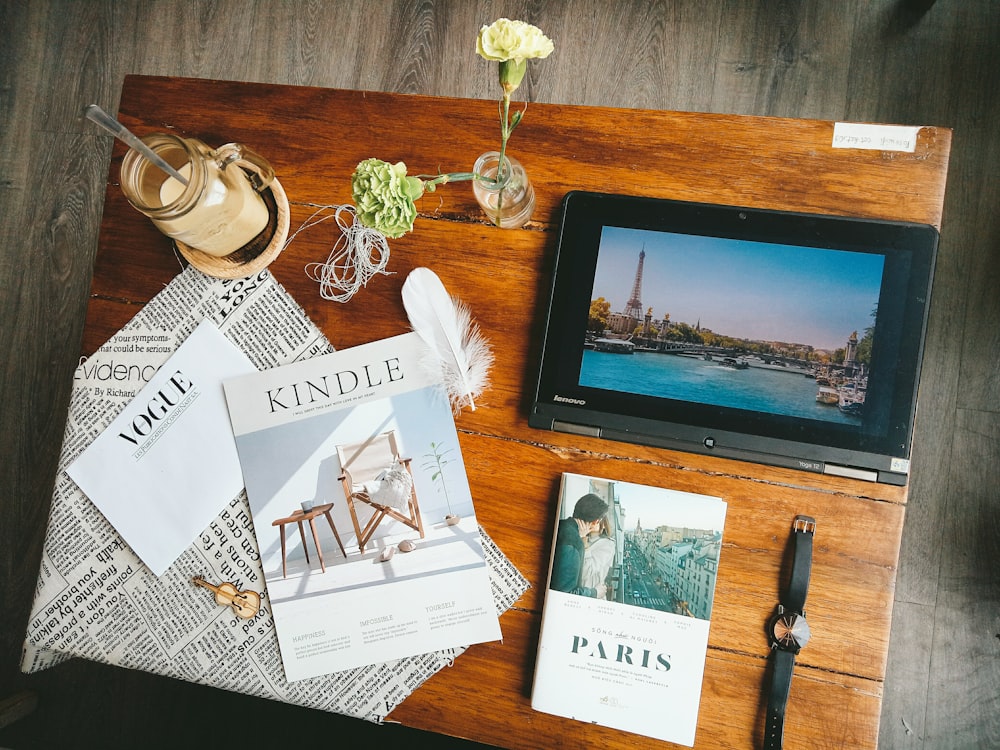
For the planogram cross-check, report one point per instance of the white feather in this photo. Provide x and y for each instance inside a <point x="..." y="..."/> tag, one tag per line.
<point x="460" y="354"/>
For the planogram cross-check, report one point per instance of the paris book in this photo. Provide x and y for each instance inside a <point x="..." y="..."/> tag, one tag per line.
<point x="628" y="605"/>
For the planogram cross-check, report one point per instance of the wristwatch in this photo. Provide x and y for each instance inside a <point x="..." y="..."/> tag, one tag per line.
<point x="788" y="630"/>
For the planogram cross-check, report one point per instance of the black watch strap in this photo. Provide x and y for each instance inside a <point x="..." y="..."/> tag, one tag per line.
<point x="803" y="528"/>
<point x="793" y="604"/>
<point x="781" y="683"/>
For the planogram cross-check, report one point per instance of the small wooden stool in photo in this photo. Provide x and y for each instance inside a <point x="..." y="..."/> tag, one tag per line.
<point x="297" y="518"/>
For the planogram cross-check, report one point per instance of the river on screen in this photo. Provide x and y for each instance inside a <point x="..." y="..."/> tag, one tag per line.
<point x="778" y="391"/>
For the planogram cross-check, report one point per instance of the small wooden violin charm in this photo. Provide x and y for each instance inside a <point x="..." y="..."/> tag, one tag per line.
<point x="244" y="603"/>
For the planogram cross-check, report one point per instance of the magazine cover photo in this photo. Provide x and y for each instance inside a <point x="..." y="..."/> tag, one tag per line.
<point x="361" y="506"/>
<point x="351" y="484"/>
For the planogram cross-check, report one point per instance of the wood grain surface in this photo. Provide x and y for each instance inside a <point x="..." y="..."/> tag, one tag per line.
<point x="859" y="60"/>
<point x="503" y="275"/>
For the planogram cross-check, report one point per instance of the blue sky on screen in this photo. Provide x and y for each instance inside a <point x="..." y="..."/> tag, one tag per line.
<point x="743" y="289"/>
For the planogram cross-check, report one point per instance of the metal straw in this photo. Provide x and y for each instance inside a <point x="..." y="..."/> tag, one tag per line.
<point x="119" y="131"/>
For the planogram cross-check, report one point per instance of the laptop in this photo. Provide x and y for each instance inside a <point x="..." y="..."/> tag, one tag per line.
<point x="783" y="338"/>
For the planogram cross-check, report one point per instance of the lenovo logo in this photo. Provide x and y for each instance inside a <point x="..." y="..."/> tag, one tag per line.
<point x="564" y="400"/>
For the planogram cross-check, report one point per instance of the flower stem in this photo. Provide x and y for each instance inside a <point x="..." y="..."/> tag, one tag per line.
<point x="505" y="130"/>
<point x="430" y="182"/>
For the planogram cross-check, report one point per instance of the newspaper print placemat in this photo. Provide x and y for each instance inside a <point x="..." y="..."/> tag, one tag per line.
<point x="95" y="599"/>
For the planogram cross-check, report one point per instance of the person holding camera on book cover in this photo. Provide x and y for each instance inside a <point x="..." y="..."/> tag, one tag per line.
<point x="568" y="560"/>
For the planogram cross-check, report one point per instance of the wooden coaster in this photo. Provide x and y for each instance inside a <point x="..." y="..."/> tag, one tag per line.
<point x="256" y="254"/>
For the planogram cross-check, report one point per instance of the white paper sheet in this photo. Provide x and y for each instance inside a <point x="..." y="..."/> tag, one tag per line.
<point x="167" y="465"/>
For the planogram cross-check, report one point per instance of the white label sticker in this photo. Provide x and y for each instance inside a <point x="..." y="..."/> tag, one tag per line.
<point x="901" y="465"/>
<point x="875" y="137"/>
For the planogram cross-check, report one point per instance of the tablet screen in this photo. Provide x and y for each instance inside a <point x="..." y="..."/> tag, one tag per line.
<point x="740" y="331"/>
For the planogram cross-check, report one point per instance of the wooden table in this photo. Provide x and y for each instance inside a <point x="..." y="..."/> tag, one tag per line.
<point x="315" y="137"/>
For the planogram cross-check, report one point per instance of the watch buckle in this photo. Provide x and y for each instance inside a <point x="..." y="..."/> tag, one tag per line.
<point x="804" y="524"/>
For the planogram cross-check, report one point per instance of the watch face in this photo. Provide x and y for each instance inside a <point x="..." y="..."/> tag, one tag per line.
<point x="790" y="631"/>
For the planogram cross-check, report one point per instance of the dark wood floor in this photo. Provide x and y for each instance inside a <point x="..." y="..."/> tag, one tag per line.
<point x="916" y="62"/>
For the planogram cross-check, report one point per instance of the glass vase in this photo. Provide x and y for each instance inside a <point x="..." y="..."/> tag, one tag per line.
<point x="508" y="200"/>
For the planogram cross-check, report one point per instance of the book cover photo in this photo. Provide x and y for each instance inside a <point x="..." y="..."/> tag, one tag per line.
<point x="362" y="509"/>
<point x="628" y="605"/>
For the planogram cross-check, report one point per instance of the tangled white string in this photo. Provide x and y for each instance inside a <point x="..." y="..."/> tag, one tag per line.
<point x="358" y="254"/>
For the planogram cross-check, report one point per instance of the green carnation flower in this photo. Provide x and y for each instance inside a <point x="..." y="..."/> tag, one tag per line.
<point x="384" y="196"/>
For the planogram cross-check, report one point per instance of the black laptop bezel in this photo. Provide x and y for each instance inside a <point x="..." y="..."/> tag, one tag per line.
<point x="880" y="452"/>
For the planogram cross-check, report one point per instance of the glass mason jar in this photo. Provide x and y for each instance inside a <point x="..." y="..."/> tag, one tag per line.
<point x="220" y="209"/>
<point x="510" y="200"/>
